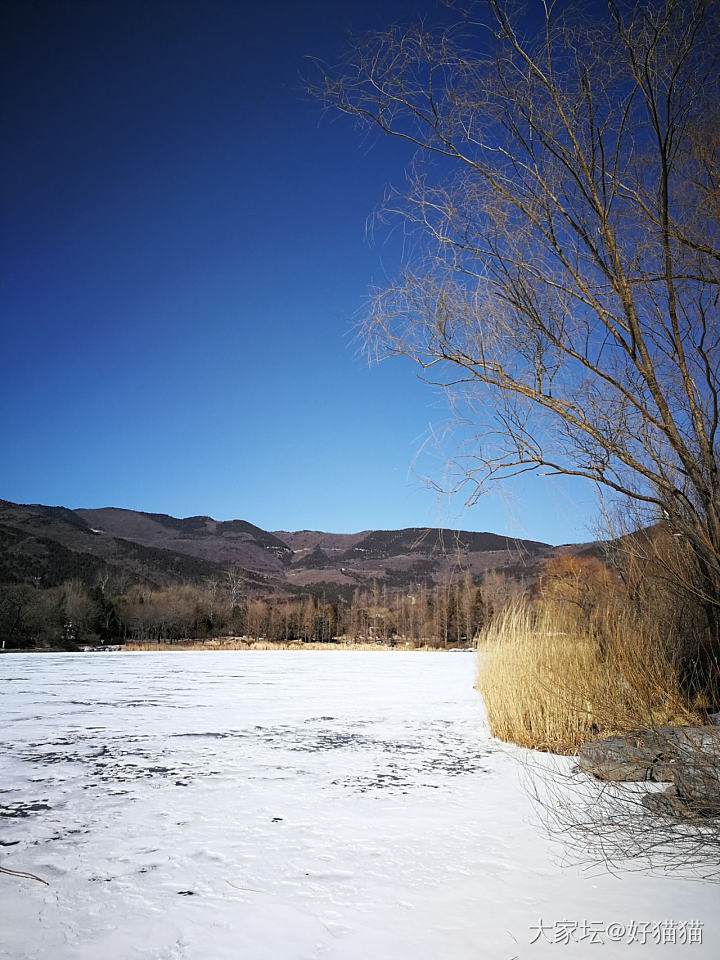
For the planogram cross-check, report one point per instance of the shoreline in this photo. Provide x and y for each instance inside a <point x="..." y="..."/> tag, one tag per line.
<point x="211" y="646"/>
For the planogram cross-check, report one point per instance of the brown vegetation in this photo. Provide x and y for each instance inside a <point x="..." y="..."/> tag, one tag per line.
<point x="111" y="611"/>
<point x="601" y="647"/>
<point x="550" y="681"/>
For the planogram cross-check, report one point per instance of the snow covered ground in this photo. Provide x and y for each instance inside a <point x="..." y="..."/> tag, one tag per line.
<point x="278" y="806"/>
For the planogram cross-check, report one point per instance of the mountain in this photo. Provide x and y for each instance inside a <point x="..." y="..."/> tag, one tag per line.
<point x="398" y="558"/>
<point x="228" y="543"/>
<point x="47" y="545"/>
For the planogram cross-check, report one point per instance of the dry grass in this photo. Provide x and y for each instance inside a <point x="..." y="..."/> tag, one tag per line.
<point x="550" y="686"/>
<point x="240" y="644"/>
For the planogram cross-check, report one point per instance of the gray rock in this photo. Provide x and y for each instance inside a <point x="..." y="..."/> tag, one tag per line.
<point x="666" y="804"/>
<point x="686" y="738"/>
<point x="663" y="771"/>
<point x="688" y="758"/>
<point x="698" y="786"/>
<point x="616" y="758"/>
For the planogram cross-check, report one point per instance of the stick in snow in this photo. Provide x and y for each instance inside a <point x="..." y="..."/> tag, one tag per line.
<point x="22" y="873"/>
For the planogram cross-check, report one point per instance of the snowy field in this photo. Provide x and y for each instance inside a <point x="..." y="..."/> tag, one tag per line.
<point x="278" y="806"/>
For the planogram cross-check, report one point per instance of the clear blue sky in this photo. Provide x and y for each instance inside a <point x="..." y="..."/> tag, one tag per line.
<point x="183" y="253"/>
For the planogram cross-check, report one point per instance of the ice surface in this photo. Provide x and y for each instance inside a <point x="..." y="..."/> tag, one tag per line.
<point x="343" y="806"/>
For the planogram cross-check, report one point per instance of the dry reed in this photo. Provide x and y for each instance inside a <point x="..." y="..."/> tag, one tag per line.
<point x="548" y="685"/>
<point x="214" y="644"/>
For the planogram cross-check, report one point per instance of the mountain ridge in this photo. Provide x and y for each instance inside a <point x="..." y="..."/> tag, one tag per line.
<point x="44" y="543"/>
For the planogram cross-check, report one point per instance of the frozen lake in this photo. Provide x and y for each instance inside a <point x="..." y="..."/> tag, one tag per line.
<point x="348" y="806"/>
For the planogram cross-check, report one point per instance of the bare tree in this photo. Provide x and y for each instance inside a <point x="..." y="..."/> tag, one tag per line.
<point x="563" y="218"/>
<point x="234" y="583"/>
<point x="211" y="597"/>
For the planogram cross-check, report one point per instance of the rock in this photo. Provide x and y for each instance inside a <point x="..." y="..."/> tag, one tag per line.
<point x="685" y="738"/>
<point x="698" y="786"/>
<point x="616" y="758"/>
<point x="667" y="803"/>
<point x="686" y="757"/>
<point x="663" y="771"/>
<point x="653" y="754"/>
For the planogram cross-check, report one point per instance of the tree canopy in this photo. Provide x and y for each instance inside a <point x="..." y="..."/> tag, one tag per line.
<point x="563" y="210"/>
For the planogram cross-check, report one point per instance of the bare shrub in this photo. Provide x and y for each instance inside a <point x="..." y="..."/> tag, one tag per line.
<point x="669" y="826"/>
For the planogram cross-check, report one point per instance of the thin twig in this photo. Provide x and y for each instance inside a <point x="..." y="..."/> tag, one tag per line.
<point x="23" y="873"/>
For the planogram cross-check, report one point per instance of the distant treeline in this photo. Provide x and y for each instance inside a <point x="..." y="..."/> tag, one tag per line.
<point x="111" y="611"/>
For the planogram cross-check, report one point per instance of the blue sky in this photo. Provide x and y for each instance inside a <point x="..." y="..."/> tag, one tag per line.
<point x="184" y="254"/>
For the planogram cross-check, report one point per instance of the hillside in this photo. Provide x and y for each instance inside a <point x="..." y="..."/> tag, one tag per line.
<point x="228" y="543"/>
<point x="47" y="545"/>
